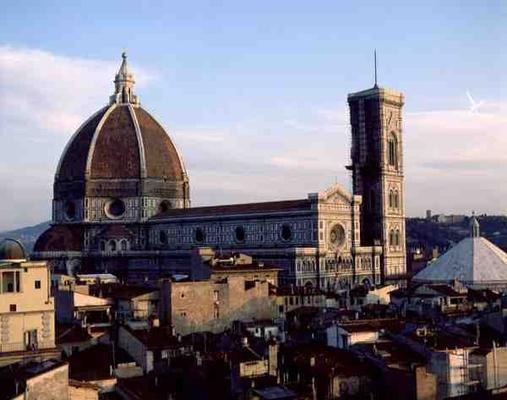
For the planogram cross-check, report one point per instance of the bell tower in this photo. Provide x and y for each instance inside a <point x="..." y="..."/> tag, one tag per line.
<point x="377" y="173"/>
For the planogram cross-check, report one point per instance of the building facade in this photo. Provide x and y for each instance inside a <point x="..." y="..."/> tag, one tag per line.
<point x="27" y="309"/>
<point x="122" y="205"/>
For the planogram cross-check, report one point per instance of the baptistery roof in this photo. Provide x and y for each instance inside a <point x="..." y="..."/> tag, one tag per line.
<point x="473" y="261"/>
<point x="121" y="141"/>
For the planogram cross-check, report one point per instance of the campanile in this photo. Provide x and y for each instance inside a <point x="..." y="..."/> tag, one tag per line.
<point x="377" y="173"/>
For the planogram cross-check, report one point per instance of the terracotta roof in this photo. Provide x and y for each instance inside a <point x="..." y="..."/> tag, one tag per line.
<point x="100" y="357"/>
<point x="70" y="333"/>
<point x="326" y="360"/>
<point x="483" y="295"/>
<point x="156" y="338"/>
<point x="13" y="377"/>
<point x="73" y="161"/>
<point x="60" y="238"/>
<point x="371" y="325"/>
<point x="248" y="208"/>
<point x="120" y="291"/>
<point x="446" y="290"/>
<point x="116" y="152"/>
<point x="108" y="146"/>
<point x="162" y="159"/>
<point x="245" y="354"/>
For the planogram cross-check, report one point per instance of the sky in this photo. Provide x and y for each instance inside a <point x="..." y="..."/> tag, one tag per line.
<point x="254" y="93"/>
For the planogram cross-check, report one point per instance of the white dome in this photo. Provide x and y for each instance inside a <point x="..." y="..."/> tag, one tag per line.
<point x="474" y="261"/>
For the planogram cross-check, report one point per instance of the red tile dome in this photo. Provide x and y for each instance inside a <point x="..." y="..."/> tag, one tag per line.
<point x="121" y="151"/>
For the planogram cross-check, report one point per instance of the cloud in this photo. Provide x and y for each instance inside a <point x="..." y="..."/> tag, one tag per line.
<point x="44" y="97"/>
<point x="53" y="93"/>
<point x="454" y="160"/>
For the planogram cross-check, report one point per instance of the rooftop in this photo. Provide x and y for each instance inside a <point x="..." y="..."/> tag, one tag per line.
<point x="157" y="337"/>
<point x="473" y="261"/>
<point x="100" y="357"/>
<point x="249" y="208"/>
<point x="119" y="291"/>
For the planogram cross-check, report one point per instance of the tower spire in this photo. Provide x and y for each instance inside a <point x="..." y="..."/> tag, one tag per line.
<point x="375" y="66"/>
<point x="124" y="85"/>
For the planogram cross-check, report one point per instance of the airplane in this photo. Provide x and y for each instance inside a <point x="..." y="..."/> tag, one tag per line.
<point x="474" y="106"/>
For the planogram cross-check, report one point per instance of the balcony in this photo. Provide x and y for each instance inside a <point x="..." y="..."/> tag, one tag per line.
<point x="20" y="346"/>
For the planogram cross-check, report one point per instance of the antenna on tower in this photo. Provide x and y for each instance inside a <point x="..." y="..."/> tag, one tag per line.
<point x="375" y="64"/>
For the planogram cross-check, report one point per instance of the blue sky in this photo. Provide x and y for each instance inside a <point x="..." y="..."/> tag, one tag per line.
<point x="254" y="93"/>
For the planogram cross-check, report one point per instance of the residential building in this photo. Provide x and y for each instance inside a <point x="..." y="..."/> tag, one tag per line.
<point x="27" y="309"/>
<point x="153" y="348"/>
<point x="236" y="291"/>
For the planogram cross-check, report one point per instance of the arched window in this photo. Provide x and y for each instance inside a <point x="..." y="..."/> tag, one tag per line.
<point x="391" y="238"/>
<point x="102" y="245"/>
<point x="112" y="245"/>
<point x="397" y="237"/>
<point x="396" y="199"/>
<point x="123" y="245"/>
<point x="392" y="151"/>
<point x="391" y="199"/>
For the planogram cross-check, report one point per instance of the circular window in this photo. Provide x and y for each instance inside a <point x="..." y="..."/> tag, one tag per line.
<point x="115" y="208"/>
<point x="70" y="210"/>
<point x="164" y="206"/>
<point x="198" y="235"/>
<point x="239" y="234"/>
<point x="162" y="236"/>
<point x="286" y="233"/>
<point x="337" y="236"/>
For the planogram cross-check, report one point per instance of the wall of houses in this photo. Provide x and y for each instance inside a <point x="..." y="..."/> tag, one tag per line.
<point x="27" y="313"/>
<point x="250" y="369"/>
<point x="451" y="369"/>
<point x="213" y="306"/>
<point x="50" y="385"/>
<point x="136" y="349"/>
<point x="82" y="392"/>
<point x="341" y="338"/>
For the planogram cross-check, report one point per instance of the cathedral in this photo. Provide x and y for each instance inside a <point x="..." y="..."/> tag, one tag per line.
<point x="121" y="204"/>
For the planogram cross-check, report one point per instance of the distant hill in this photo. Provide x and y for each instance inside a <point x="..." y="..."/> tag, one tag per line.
<point x="27" y="235"/>
<point x="420" y="232"/>
<point x="432" y="233"/>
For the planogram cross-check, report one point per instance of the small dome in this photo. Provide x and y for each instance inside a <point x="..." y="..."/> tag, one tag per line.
<point x="59" y="238"/>
<point x="12" y="250"/>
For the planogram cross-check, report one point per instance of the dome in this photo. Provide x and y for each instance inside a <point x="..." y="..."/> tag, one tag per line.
<point x="474" y="261"/>
<point x="120" y="142"/>
<point x="59" y="238"/>
<point x="121" y="151"/>
<point x="12" y="250"/>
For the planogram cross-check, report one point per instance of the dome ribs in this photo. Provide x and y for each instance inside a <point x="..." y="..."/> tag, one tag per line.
<point x="116" y="153"/>
<point x="73" y="163"/>
<point x="162" y="158"/>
